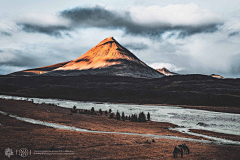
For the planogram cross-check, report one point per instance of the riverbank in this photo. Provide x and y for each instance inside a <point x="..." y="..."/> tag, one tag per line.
<point x="60" y="115"/>
<point x="16" y="134"/>
<point x="232" y="109"/>
<point x="215" y="134"/>
<point x="235" y="110"/>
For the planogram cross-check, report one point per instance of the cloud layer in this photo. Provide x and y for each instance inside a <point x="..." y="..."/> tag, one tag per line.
<point x="153" y="21"/>
<point x="182" y="37"/>
<point x="51" y="25"/>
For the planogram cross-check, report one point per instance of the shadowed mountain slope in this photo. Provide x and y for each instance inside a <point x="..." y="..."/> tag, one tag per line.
<point x="38" y="71"/>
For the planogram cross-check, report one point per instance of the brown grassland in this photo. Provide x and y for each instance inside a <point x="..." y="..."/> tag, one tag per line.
<point x="16" y="134"/>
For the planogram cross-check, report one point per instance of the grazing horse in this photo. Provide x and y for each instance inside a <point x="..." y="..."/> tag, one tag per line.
<point x="177" y="150"/>
<point x="185" y="148"/>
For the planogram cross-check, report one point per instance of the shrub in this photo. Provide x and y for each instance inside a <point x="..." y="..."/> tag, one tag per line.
<point x="92" y="110"/>
<point x="73" y="110"/>
<point x="142" y="117"/>
<point x="118" y="115"/>
<point x="112" y="115"/>
<point x="148" y="116"/>
<point x="134" y="118"/>
<point x="85" y="111"/>
<point x="123" y="116"/>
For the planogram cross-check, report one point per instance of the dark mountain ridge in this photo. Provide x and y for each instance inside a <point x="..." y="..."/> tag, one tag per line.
<point x="194" y="90"/>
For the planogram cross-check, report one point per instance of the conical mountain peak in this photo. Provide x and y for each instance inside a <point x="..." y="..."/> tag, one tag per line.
<point x="107" y="53"/>
<point x="107" y="40"/>
<point x="107" y="58"/>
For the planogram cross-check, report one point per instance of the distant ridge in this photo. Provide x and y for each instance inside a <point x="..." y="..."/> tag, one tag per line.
<point x="217" y="76"/>
<point x="38" y="71"/>
<point x="107" y="58"/>
<point x="166" y="72"/>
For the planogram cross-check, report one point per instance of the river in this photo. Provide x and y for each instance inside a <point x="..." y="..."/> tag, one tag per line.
<point x="186" y="119"/>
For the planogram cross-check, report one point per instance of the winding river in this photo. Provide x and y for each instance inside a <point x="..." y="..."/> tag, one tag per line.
<point x="186" y="119"/>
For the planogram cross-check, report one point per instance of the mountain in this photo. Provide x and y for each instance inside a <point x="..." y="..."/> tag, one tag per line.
<point x="166" y="72"/>
<point x="217" y="76"/>
<point x="38" y="71"/>
<point x="108" y="58"/>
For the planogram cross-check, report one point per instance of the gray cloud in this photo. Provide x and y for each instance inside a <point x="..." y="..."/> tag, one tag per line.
<point x="18" y="58"/>
<point x="233" y="34"/>
<point x="235" y="66"/>
<point x="188" y="31"/>
<point x="29" y="59"/>
<point x="12" y="60"/>
<point x="5" y="33"/>
<point x="102" y="18"/>
<point x="6" y="69"/>
<point x="49" y="30"/>
<point x="97" y="17"/>
<point x="136" y="46"/>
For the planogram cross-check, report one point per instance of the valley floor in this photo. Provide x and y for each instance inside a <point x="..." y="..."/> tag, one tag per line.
<point x="16" y="134"/>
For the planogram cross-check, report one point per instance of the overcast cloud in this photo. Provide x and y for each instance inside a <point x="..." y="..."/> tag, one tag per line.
<point x="145" y="21"/>
<point x="185" y="38"/>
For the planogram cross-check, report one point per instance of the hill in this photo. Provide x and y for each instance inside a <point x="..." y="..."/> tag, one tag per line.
<point x="108" y="58"/>
<point x="166" y="72"/>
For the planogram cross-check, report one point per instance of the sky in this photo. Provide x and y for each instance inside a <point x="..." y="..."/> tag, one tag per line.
<point x="187" y="37"/>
